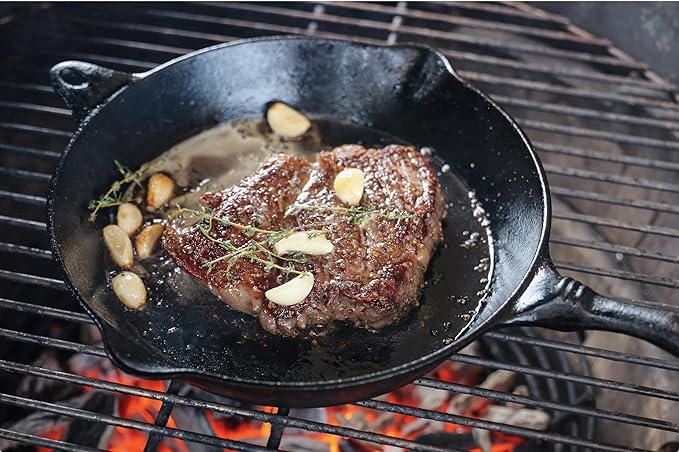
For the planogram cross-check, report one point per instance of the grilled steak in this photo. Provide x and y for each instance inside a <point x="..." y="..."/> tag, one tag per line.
<point x="373" y="277"/>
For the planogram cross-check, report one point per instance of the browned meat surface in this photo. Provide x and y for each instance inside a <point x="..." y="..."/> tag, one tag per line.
<point x="373" y="277"/>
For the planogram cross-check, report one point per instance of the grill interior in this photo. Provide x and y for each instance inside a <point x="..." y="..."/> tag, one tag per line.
<point x="607" y="130"/>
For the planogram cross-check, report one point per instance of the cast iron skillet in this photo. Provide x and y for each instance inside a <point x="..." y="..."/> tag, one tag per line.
<point x="408" y="92"/>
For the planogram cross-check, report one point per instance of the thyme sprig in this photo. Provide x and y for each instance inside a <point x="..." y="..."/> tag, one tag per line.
<point x="357" y="214"/>
<point x="115" y="194"/>
<point x="253" y="250"/>
<point x="260" y="250"/>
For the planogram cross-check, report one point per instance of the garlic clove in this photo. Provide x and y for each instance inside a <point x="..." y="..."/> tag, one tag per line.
<point x="146" y="241"/>
<point x="119" y="245"/>
<point x="293" y="291"/>
<point x="349" y="186"/>
<point x="130" y="290"/>
<point x="308" y="242"/>
<point x="159" y="190"/>
<point x="286" y="121"/>
<point x="129" y="217"/>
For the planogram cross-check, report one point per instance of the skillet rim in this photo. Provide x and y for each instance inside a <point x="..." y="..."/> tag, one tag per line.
<point x="466" y="335"/>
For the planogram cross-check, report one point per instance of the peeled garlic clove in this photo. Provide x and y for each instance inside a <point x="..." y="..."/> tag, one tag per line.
<point x="119" y="245"/>
<point x="286" y="121"/>
<point x="130" y="290"/>
<point x="349" y="186"/>
<point x="308" y="242"/>
<point x="293" y="291"/>
<point x="159" y="190"/>
<point x="147" y="240"/>
<point x="129" y="218"/>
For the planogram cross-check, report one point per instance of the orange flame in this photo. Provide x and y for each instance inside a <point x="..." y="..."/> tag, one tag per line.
<point x="235" y="428"/>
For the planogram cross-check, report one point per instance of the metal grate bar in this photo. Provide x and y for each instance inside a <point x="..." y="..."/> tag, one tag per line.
<point x="14" y="172"/>
<point x="26" y="278"/>
<point x="568" y="91"/>
<point x="606" y="199"/>
<point x="611" y="178"/>
<point x="162" y="417"/>
<point x="606" y="157"/>
<point x="35" y="129"/>
<point x="580" y="112"/>
<point x="546" y="404"/>
<point x="126" y="423"/>
<point x="511" y="11"/>
<point x="613" y="248"/>
<point x="599" y="221"/>
<point x="20" y="222"/>
<point x="60" y="344"/>
<point x="26" y="86"/>
<point x="25" y="250"/>
<point x="367" y="23"/>
<point x="45" y="311"/>
<point x="584" y="350"/>
<point x="488" y="425"/>
<point x="277" y="430"/>
<point x="574" y="378"/>
<point x="452" y="37"/>
<point x="448" y="36"/>
<point x="42" y="153"/>
<point x="555" y="71"/>
<point x="22" y="197"/>
<point x="598" y="134"/>
<point x="35" y="440"/>
<point x="35" y="107"/>
<point x="260" y="416"/>
<point x="620" y="274"/>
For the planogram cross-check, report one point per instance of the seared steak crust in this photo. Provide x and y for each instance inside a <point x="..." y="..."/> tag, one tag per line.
<point x="373" y="277"/>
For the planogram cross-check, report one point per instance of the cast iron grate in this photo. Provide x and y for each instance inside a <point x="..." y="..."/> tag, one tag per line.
<point x="606" y="127"/>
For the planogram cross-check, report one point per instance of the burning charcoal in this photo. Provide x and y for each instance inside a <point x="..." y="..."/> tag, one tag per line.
<point x="462" y="368"/>
<point x="46" y="388"/>
<point x="35" y="423"/>
<point x="483" y="439"/>
<point x="524" y="417"/>
<point x="417" y="424"/>
<point x="430" y="398"/>
<point x="93" y="434"/>
<point x="521" y="390"/>
<point x="83" y="364"/>
<point x="193" y="420"/>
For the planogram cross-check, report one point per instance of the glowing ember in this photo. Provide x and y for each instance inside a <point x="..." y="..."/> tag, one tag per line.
<point x="385" y="423"/>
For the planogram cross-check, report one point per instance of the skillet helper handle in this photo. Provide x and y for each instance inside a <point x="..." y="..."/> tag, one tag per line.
<point x="562" y="303"/>
<point x="83" y="86"/>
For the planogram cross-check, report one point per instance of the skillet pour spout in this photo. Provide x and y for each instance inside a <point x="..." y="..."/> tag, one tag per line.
<point x="408" y="92"/>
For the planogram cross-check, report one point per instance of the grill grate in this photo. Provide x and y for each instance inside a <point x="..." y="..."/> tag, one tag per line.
<point x="606" y="127"/>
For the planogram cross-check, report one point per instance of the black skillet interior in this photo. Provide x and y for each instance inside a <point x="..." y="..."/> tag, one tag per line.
<point x="405" y="92"/>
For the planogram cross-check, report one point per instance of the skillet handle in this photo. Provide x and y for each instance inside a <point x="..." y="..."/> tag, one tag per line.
<point x="562" y="303"/>
<point x="83" y="86"/>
